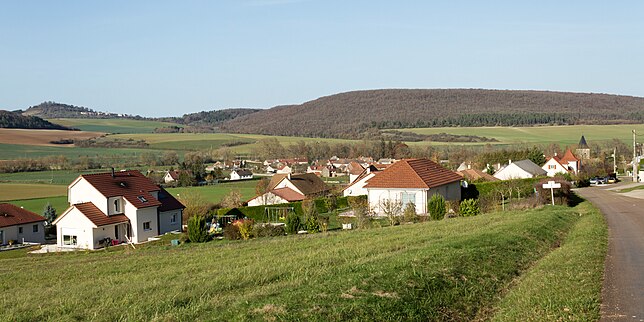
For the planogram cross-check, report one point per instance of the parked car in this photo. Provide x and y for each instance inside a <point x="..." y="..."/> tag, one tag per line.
<point x="593" y="180"/>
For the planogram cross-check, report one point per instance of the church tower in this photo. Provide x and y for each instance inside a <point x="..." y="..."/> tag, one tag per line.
<point x="583" y="150"/>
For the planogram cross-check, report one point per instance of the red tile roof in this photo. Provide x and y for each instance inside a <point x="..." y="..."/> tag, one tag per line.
<point x="288" y="194"/>
<point x="99" y="218"/>
<point x="11" y="215"/>
<point x="413" y="173"/>
<point x="355" y="168"/>
<point x="168" y="202"/>
<point x="569" y="157"/>
<point x="132" y="185"/>
<point x="474" y="174"/>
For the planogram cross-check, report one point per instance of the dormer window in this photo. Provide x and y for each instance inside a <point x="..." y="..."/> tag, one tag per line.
<point x="117" y="205"/>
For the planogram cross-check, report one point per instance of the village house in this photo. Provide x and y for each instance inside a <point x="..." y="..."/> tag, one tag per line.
<point x="241" y="174"/>
<point x="357" y="186"/>
<point x="20" y="225"/>
<point x="412" y="181"/>
<point x="568" y="163"/>
<point x="354" y="169"/>
<point x="472" y="175"/>
<point x="171" y="176"/>
<point x="119" y="207"/>
<point x="290" y="188"/>
<point x="520" y="170"/>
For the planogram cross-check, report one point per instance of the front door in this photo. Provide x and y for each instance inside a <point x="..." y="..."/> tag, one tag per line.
<point x="1" y="237"/>
<point x="116" y="232"/>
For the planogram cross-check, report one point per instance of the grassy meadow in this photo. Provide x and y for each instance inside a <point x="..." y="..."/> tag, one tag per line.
<point x="456" y="269"/>
<point x="564" y="135"/>
<point x="13" y="191"/>
<point x="215" y="193"/>
<point x="113" y="125"/>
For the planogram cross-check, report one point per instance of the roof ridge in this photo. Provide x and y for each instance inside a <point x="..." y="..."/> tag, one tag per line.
<point x="415" y="172"/>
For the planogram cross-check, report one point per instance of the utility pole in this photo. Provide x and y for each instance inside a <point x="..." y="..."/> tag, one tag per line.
<point x="634" y="159"/>
<point x="615" y="161"/>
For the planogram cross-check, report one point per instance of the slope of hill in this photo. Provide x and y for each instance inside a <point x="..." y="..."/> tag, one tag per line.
<point x="353" y="113"/>
<point x="18" y="121"/>
<point x="51" y="110"/>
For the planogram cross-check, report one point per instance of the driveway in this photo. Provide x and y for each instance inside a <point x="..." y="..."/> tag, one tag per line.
<point x="623" y="288"/>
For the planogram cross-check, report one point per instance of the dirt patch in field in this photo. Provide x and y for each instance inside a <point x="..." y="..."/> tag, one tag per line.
<point x="43" y="137"/>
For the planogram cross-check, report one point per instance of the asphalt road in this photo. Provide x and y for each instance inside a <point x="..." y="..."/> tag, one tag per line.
<point x="623" y="288"/>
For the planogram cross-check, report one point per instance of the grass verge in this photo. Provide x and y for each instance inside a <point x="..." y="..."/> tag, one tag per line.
<point x="446" y="270"/>
<point x="566" y="284"/>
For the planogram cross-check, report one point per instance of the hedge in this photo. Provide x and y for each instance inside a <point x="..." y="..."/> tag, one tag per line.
<point x="257" y="212"/>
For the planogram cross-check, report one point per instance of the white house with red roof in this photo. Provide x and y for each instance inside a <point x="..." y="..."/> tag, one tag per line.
<point x="357" y="185"/>
<point x="568" y="163"/>
<point x="290" y="188"/>
<point x="412" y="180"/>
<point x="119" y="206"/>
<point x="20" y="225"/>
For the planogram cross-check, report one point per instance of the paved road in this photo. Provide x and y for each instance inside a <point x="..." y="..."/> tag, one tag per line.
<point x="623" y="288"/>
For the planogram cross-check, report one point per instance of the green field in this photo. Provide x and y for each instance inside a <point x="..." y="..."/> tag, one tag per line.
<point x="113" y="125"/>
<point x="56" y="177"/>
<point x="15" y="151"/>
<point x="13" y="191"/>
<point x="564" y="135"/>
<point x="457" y="269"/>
<point x="37" y="205"/>
<point x="214" y="193"/>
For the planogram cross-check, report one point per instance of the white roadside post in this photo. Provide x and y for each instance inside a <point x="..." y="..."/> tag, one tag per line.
<point x="552" y="186"/>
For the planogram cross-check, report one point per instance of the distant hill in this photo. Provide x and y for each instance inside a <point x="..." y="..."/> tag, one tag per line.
<point x="52" y="110"/>
<point x="18" y="121"/>
<point x="206" y="121"/>
<point x="351" y="114"/>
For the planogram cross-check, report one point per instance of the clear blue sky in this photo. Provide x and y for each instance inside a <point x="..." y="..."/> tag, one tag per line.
<point x="167" y="58"/>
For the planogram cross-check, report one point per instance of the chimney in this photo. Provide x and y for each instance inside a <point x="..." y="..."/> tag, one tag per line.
<point x="288" y="175"/>
<point x="510" y="161"/>
<point x="469" y="166"/>
<point x="555" y="153"/>
<point x="112" y="172"/>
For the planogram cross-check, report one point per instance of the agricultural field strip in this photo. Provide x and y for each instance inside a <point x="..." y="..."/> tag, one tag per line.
<point x="113" y="125"/>
<point x="17" y="191"/>
<point x="459" y="263"/>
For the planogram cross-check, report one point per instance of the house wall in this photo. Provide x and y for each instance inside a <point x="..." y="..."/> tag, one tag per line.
<point x="111" y="207"/>
<point x="82" y="191"/>
<point x="108" y="231"/>
<point x="137" y="218"/>
<point x="168" y="178"/>
<point x="512" y="172"/>
<point x="376" y="195"/>
<point x="165" y="224"/>
<point x="28" y="235"/>
<point x="234" y="176"/>
<point x="450" y="191"/>
<point x="75" y="223"/>
<point x="358" y="189"/>
<point x="269" y="199"/>
<point x="556" y="168"/>
<point x="285" y="183"/>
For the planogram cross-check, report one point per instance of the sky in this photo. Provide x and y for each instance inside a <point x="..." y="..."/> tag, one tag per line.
<point x="168" y="58"/>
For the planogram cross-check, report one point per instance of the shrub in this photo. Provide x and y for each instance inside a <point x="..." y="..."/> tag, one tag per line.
<point x="268" y="230"/>
<point x="312" y="224"/>
<point x="292" y="223"/>
<point x="410" y="213"/>
<point x="470" y="207"/>
<point x="231" y="232"/>
<point x="245" y="227"/>
<point x="562" y="196"/>
<point x="331" y="202"/>
<point x="436" y="207"/>
<point x="49" y="213"/>
<point x="197" y="229"/>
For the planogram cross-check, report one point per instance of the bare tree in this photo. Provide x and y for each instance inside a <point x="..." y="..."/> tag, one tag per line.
<point x="392" y="208"/>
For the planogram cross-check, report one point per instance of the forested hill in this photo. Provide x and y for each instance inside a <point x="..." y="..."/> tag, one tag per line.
<point x="351" y="114"/>
<point x="50" y="110"/>
<point x="19" y="121"/>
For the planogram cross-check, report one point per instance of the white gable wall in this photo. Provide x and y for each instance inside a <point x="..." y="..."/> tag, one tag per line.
<point x="553" y="168"/>
<point x="358" y="189"/>
<point x="512" y="171"/>
<point x="285" y="183"/>
<point x="82" y="191"/>
<point x="267" y="199"/>
<point x="73" y="222"/>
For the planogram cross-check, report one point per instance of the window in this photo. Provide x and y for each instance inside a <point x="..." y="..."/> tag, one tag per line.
<point x="19" y="230"/>
<point x="146" y="226"/>
<point x="70" y="240"/>
<point x="35" y="227"/>
<point x="173" y="219"/>
<point x="117" y="205"/>
<point x="552" y="166"/>
<point x="408" y="197"/>
<point x="142" y="199"/>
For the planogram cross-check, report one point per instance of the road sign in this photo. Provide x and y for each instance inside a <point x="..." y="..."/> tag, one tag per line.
<point x="552" y="186"/>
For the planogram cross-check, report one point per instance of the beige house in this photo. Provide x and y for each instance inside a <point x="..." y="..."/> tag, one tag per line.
<point x="412" y="181"/>
<point x="118" y="206"/>
<point x="289" y="188"/>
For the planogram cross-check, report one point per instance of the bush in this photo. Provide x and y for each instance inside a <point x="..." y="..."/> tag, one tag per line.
<point x="197" y="229"/>
<point x="312" y="224"/>
<point x="470" y="207"/>
<point x="231" y="232"/>
<point x="245" y="227"/>
<point x="410" y="213"/>
<point x="436" y="207"/>
<point x="268" y="230"/>
<point x="563" y="195"/>
<point x="292" y="223"/>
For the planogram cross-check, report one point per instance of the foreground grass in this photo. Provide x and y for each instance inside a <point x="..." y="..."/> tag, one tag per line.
<point x="448" y="270"/>
<point x="566" y="284"/>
